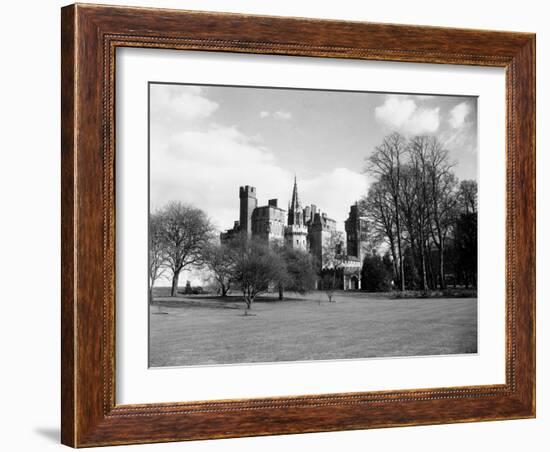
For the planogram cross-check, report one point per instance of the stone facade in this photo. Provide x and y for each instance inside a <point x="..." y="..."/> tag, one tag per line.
<point x="356" y="239"/>
<point x="320" y="230"/>
<point x="351" y="273"/>
<point x="249" y="202"/>
<point x="296" y="231"/>
<point x="268" y="222"/>
<point x="356" y="233"/>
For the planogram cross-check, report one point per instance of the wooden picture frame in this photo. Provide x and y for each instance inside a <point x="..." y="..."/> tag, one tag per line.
<point x="90" y="35"/>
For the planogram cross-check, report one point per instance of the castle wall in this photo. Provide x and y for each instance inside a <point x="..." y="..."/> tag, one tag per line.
<point x="320" y="230"/>
<point x="356" y="233"/>
<point x="268" y="223"/>
<point x="296" y="237"/>
<point x="317" y="241"/>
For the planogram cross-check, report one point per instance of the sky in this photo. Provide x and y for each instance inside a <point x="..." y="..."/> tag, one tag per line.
<point x="206" y="141"/>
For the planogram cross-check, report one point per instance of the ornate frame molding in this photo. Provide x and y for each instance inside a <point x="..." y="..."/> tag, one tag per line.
<point x="90" y="37"/>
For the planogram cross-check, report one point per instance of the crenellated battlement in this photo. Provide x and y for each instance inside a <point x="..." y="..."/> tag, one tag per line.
<point x="247" y="191"/>
<point x="247" y="195"/>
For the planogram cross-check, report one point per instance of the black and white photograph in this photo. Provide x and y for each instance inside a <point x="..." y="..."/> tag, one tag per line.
<point x="294" y="224"/>
<point x="275" y="226"/>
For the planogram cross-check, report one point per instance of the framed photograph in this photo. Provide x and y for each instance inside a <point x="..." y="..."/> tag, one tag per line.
<point x="281" y="225"/>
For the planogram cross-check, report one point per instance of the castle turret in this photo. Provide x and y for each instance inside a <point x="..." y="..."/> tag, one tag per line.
<point x="321" y="229"/>
<point x="296" y="231"/>
<point x="356" y="233"/>
<point x="247" y="195"/>
<point x="295" y="214"/>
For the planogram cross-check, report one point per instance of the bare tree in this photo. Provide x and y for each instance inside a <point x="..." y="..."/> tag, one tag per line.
<point x="220" y="260"/>
<point x="444" y="215"/>
<point x="157" y="256"/>
<point x="186" y="230"/>
<point x="378" y="209"/>
<point x="257" y="267"/>
<point x="299" y="271"/>
<point x="442" y="185"/>
<point x="332" y="262"/>
<point x="414" y="205"/>
<point x="328" y="282"/>
<point x="385" y="163"/>
<point x="419" y="155"/>
<point x="408" y="211"/>
<point x="467" y="196"/>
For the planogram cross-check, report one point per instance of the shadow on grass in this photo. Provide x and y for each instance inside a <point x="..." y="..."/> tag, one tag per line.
<point x="192" y="302"/>
<point x="219" y="302"/>
<point x="447" y="293"/>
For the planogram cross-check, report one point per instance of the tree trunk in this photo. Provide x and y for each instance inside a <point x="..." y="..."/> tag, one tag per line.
<point x="415" y="272"/>
<point x="225" y="289"/>
<point x="441" y="269"/>
<point x="334" y="283"/>
<point x="394" y="262"/>
<point x="175" y="278"/>
<point x="396" y="194"/>
<point x="248" y="303"/>
<point x="432" y="282"/>
<point x="399" y="251"/>
<point x="423" y="261"/>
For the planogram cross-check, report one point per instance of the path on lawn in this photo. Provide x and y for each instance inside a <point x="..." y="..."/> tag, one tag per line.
<point x="199" y="331"/>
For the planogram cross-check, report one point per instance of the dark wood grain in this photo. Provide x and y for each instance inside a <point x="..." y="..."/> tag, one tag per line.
<point x="90" y="36"/>
<point x="68" y="148"/>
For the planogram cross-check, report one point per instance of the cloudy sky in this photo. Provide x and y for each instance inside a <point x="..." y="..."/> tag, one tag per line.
<point x="206" y="141"/>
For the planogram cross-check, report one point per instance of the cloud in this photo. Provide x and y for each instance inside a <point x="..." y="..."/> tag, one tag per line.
<point x="217" y="146"/>
<point x="401" y="113"/>
<point x="461" y="135"/>
<point x="462" y="139"/>
<point x="458" y="115"/>
<point x="206" y="168"/>
<point x="204" y="164"/>
<point x="179" y="103"/>
<point x="334" y="192"/>
<point x="284" y="115"/>
<point x="279" y="114"/>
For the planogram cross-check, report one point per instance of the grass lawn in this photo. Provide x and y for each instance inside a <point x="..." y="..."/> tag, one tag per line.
<point x="199" y="330"/>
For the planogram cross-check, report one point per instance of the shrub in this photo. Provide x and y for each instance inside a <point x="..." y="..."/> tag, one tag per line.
<point x="375" y="275"/>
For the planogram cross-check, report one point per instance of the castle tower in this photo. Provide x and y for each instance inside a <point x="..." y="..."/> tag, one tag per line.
<point x="295" y="214"/>
<point x="356" y="233"/>
<point x="320" y="231"/>
<point x="296" y="231"/>
<point x="248" y="203"/>
<point x="269" y="222"/>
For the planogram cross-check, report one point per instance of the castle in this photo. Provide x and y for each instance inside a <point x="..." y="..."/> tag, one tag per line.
<point x="304" y="228"/>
